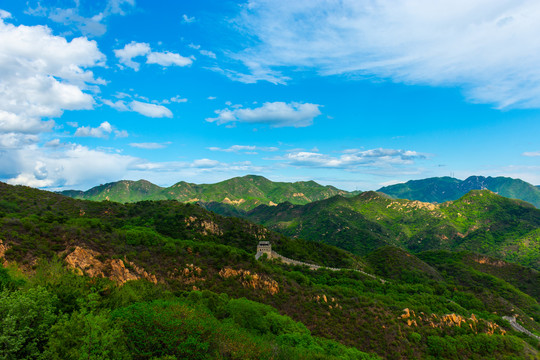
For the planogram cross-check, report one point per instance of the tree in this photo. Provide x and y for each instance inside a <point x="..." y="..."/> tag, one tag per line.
<point x="25" y="319"/>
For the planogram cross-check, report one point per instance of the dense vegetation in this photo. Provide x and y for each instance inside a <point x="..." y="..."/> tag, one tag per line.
<point x="242" y="193"/>
<point x="480" y="221"/>
<point x="211" y="299"/>
<point x="444" y="189"/>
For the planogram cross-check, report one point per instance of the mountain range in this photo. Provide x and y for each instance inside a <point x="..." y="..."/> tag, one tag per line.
<point x="479" y="221"/>
<point x="247" y="192"/>
<point x="243" y="193"/>
<point x="442" y="189"/>
<point x="140" y="274"/>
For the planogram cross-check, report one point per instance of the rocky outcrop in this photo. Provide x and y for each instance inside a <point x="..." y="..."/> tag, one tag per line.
<point x="3" y="249"/>
<point x="476" y="325"/>
<point x="86" y="261"/>
<point x="233" y="202"/>
<point x="488" y="261"/>
<point x="251" y="280"/>
<point x="188" y="275"/>
<point x="331" y="302"/>
<point x="207" y="226"/>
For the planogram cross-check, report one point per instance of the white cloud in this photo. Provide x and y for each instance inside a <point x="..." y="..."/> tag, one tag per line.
<point x="248" y="149"/>
<point x="130" y="51"/>
<point x="208" y="53"/>
<point x="42" y="75"/>
<point x="143" y="108"/>
<point x="489" y="48"/>
<point x="74" y="165"/>
<point x="150" y="145"/>
<point x="4" y="14"/>
<point x="150" y="110"/>
<point x="168" y="59"/>
<point x="211" y="98"/>
<point x="352" y="159"/>
<point x="17" y="140"/>
<point x="120" y="134"/>
<point x="203" y="52"/>
<point x="89" y="25"/>
<point x="54" y="143"/>
<point x="276" y="114"/>
<point x="118" y="6"/>
<point x="178" y="99"/>
<point x="135" y="49"/>
<point x="188" y="20"/>
<point x="102" y="131"/>
<point x="531" y="153"/>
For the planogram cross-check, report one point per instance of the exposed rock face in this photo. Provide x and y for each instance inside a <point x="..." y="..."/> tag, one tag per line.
<point x="188" y="275"/>
<point x="450" y="320"/>
<point x="3" y="249"/>
<point x="488" y="261"/>
<point x="86" y="261"/>
<point x="208" y="227"/>
<point x="233" y="202"/>
<point x="249" y="280"/>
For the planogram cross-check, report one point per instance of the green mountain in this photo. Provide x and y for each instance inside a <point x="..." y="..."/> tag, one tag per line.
<point x="480" y="221"/>
<point x="165" y="280"/>
<point x="444" y="189"/>
<point x="241" y="193"/>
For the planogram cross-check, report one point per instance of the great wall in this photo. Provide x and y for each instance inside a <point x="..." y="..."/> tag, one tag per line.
<point x="264" y="247"/>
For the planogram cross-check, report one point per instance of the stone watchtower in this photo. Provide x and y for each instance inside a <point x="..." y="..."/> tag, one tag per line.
<point x="263" y="247"/>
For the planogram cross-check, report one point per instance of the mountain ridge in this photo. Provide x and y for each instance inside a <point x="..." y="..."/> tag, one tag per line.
<point x="480" y="221"/>
<point x="244" y="192"/>
<point x="442" y="189"/>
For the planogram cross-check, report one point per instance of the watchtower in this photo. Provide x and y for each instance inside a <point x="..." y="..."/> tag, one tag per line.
<point x="263" y="247"/>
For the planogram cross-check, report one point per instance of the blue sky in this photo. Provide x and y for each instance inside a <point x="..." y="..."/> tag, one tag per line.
<point x="357" y="94"/>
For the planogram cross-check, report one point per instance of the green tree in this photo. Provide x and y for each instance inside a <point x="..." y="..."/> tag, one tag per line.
<point x="86" y="336"/>
<point x="162" y="328"/>
<point x="25" y="320"/>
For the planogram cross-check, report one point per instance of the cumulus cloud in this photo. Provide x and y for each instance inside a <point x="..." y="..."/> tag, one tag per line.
<point x="69" y="165"/>
<point x="276" y="114"/>
<point x="248" y="149"/>
<point x="150" y="145"/>
<point x="4" y="14"/>
<point x="131" y="51"/>
<point x="102" y="131"/>
<point x="143" y="108"/>
<point x="66" y="165"/>
<point x="489" y="48"/>
<point x="43" y="75"/>
<point x="351" y="159"/>
<point x="134" y="49"/>
<point x="168" y="59"/>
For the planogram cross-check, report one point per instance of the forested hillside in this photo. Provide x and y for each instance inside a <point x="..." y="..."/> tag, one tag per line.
<point x="444" y="189"/>
<point x="480" y="221"/>
<point x="242" y="193"/>
<point x="164" y="280"/>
